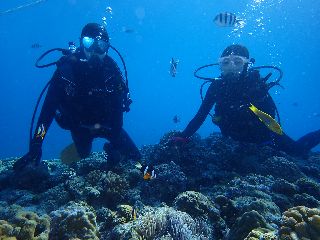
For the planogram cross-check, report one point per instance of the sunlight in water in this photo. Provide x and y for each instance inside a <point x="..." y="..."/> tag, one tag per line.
<point x="258" y="1"/>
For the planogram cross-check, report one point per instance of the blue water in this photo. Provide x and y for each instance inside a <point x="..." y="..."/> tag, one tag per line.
<point x="282" y="33"/>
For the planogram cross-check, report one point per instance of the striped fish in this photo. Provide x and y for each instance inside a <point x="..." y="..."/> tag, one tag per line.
<point x="226" y="19"/>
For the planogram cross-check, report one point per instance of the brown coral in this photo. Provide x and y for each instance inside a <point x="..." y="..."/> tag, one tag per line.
<point x="76" y="220"/>
<point x="25" y="225"/>
<point x="125" y="213"/>
<point x="261" y="233"/>
<point x="245" y="224"/>
<point x="113" y="187"/>
<point x="300" y="223"/>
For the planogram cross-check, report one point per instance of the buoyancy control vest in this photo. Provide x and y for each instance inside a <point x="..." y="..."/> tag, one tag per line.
<point x="232" y="113"/>
<point x="88" y="94"/>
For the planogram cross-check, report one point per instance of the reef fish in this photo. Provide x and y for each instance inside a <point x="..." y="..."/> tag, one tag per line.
<point x="128" y="30"/>
<point x="226" y="19"/>
<point x="173" y="67"/>
<point x="267" y="120"/>
<point x="133" y="214"/>
<point x="176" y="119"/>
<point x="36" y="45"/>
<point x="147" y="170"/>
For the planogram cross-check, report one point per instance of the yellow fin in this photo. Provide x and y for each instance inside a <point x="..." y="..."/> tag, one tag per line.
<point x="69" y="154"/>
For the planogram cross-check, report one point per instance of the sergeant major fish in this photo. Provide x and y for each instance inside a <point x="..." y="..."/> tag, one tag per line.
<point x="36" y="45"/>
<point x="227" y="19"/>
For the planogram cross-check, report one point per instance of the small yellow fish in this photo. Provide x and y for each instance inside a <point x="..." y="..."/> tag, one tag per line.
<point x="134" y="214"/>
<point x="267" y="120"/>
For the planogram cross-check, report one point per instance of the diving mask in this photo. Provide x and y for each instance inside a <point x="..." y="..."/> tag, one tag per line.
<point x="232" y="64"/>
<point x="97" y="44"/>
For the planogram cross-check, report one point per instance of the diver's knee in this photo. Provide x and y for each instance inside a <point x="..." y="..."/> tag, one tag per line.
<point x="83" y="153"/>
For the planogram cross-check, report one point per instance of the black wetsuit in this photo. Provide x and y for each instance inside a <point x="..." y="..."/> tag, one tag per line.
<point x="232" y="98"/>
<point x="88" y="101"/>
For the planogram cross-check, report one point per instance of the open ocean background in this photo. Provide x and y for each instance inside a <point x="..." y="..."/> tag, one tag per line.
<point x="283" y="33"/>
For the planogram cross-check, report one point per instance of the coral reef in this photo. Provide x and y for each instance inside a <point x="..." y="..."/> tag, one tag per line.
<point x="245" y="224"/>
<point x="211" y="188"/>
<point x="262" y="234"/>
<point x="196" y="204"/>
<point x="300" y="223"/>
<point x="163" y="223"/>
<point x="18" y="223"/>
<point x="309" y="187"/>
<point x="282" y="168"/>
<point x="169" y="183"/>
<point x="228" y="210"/>
<point x="199" y="206"/>
<point x="110" y="187"/>
<point x="284" y="187"/>
<point x="74" y="221"/>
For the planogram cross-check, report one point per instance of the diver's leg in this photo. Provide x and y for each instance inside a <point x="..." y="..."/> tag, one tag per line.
<point x="310" y="140"/>
<point x="126" y="146"/>
<point x="122" y="144"/>
<point x="83" y="141"/>
<point x="288" y="145"/>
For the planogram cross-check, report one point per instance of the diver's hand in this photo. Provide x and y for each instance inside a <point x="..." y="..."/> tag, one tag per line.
<point x="33" y="157"/>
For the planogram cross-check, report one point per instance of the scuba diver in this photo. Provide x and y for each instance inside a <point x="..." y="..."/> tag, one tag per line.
<point x="87" y="95"/>
<point x="244" y="110"/>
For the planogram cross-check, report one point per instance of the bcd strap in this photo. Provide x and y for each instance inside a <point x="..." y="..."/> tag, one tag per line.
<point x="126" y="100"/>
<point x="266" y="78"/>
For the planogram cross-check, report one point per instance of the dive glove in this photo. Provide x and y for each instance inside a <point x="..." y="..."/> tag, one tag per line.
<point x="33" y="157"/>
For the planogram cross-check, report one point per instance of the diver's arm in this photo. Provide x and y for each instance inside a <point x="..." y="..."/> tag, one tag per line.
<point x="203" y="111"/>
<point x="116" y="100"/>
<point x="117" y="118"/>
<point x="48" y="110"/>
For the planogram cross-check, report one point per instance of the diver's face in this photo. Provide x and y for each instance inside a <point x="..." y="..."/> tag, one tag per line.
<point x="95" y="49"/>
<point x="94" y="57"/>
<point x="232" y="65"/>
